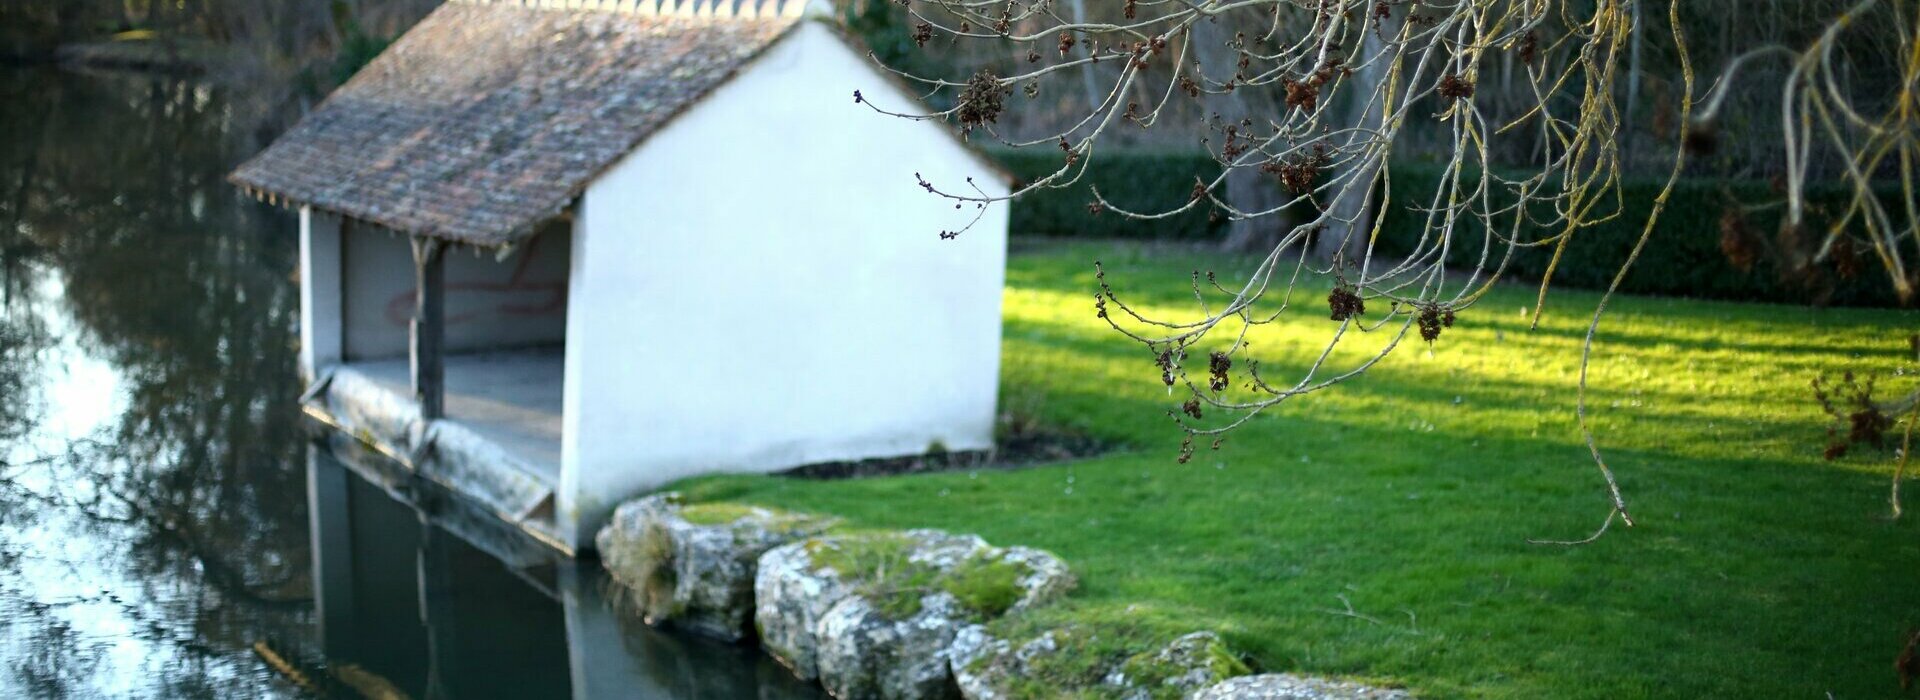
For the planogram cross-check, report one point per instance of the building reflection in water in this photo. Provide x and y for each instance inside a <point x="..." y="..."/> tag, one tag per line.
<point x="417" y="587"/>
<point x="153" y="535"/>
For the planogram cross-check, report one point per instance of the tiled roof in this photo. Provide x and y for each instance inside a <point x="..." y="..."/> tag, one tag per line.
<point x="488" y="118"/>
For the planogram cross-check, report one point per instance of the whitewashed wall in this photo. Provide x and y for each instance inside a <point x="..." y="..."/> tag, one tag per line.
<point x="517" y="302"/>
<point x="761" y="284"/>
<point x="321" y="343"/>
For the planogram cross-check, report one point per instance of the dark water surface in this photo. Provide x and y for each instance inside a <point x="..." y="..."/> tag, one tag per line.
<point x="167" y="524"/>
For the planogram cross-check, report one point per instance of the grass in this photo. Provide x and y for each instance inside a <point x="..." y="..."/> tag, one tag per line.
<point x="1379" y="529"/>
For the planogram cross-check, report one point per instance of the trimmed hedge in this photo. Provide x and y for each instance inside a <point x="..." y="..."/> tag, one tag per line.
<point x="1683" y="258"/>
<point x="1139" y="181"/>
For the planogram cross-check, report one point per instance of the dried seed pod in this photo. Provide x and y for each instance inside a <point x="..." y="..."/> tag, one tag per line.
<point x="980" y="100"/>
<point x="1456" y="87"/>
<point x="1737" y="240"/>
<point x="1302" y="94"/>
<point x="1218" y="364"/>
<point x="1846" y="260"/>
<point x="1345" y="304"/>
<point x="1300" y="171"/>
<point x="1188" y="86"/>
<point x="1430" y="323"/>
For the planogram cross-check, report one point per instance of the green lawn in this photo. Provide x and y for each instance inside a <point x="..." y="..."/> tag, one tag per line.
<point x="1758" y="569"/>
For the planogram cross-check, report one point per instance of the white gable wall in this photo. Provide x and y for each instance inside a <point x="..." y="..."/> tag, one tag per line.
<point x="761" y="285"/>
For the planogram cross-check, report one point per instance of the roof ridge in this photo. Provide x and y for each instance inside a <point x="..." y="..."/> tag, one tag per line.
<point x="712" y="9"/>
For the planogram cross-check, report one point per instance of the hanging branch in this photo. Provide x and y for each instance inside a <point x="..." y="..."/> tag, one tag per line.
<point x="1348" y="79"/>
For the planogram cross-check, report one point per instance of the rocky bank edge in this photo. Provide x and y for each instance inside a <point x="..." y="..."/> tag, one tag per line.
<point x="694" y="565"/>
<point x="895" y="615"/>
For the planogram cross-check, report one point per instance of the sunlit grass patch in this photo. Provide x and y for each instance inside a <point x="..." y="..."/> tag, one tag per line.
<point x="1380" y="527"/>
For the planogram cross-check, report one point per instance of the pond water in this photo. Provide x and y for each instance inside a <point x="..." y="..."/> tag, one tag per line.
<point x="169" y="526"/>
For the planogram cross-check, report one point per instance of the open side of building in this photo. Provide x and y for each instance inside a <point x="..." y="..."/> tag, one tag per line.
<point x="621" y="247"/>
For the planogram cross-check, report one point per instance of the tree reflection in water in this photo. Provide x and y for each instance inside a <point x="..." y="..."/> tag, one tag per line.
<point x="152" y="519"/>
<point x="154" y="469"/>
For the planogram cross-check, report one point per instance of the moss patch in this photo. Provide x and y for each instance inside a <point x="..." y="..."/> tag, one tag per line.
<point x="877" y="564"/>
<point x="1078" y="666"/>
<point x="881" y="570"/>
<point x="715" y="513"/>
<point x="1152" y="669"/>
<point x="648" y="574"/>
<point x="1087" y="646"/>
<point x="988" y="586"/>
<point x="773" y="520"/>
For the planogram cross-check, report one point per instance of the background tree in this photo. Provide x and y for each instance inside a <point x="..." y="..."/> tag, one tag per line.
<point x="1524" y="105"/>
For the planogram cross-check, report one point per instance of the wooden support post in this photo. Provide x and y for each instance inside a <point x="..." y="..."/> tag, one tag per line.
<point x="428" y="347"/>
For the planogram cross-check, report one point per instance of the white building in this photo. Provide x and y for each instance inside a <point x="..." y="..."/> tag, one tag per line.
<point x="650" y="242"/>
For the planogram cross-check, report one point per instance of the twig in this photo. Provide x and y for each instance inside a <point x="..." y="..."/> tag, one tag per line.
<point x="1350" y="612"/>
<point x="1590" y="538"/>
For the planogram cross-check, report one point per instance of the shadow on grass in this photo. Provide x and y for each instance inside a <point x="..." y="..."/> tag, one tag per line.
<point x="1741" y="567"/>
<point x="1382" y="528"/>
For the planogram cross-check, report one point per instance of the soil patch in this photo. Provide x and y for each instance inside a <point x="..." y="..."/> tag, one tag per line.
<point x="1028" y="448"/>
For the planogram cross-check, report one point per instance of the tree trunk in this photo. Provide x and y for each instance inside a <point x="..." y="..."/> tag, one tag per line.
<point x="1352" y="210"/>
<point x="1087" y="79"/>
<point x="1247" y="189"/>
<point x="1633" y="86"/>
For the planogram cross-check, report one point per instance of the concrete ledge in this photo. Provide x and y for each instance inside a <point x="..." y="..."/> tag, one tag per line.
<point x="444" y="451"/>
